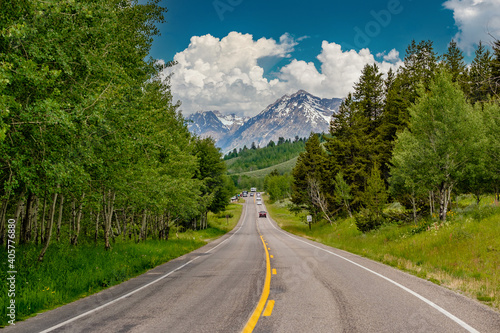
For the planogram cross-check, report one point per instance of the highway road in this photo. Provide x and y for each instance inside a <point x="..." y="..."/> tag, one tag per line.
<point x="259" y="278"/>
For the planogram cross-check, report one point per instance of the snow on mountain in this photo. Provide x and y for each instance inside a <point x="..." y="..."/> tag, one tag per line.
<point x="290" y="116"/>
<point x="214" y="124"/>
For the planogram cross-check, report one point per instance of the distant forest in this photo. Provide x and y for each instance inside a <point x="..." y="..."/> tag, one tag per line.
<point x="253" y="158"/>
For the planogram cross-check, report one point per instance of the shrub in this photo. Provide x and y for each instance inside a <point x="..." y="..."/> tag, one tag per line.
<point x="367" y="220"/>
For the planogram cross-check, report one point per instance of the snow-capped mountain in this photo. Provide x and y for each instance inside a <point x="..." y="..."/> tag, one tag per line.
<point x="214" y="124"/>
<point x="290" y="116"/>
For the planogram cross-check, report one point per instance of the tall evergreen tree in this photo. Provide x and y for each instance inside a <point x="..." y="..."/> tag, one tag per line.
<point x="480" y="75"/>
<point x="454" y="62"/>
<point x="311" y="164"/>
<point x="495" y="70"/>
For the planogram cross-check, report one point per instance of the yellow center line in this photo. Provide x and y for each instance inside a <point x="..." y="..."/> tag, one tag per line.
<point x="274" y="271"/>
<point x="272" y="256"/>
<point x="263" y="298"/>
<point x="269" y="308"/>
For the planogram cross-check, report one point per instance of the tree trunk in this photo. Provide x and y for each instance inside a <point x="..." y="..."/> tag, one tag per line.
<point x="96" y="235"/>
<point x="124" y="223"/>
<point x="25" y="226"/>
<point x="414" y="206"/>
<point x="108" y="202"/>
<point x="431" y="202"/>
<point x="59" y="218"/>
<point x="131" y="226"/>
<point x="142" y="236"/>
<point x="74" y="239"/>
<point x="444" y="198"/>
<point x="72" y="222"/>
<point x="42" y="222"/>
<point x="317" y="198"/>
<point x="49" y="229"/>
<point x="3" y="214"/>
<point x="134" y="226"/>
<point x="19" y="207"/>
<point x="117" y="222"/>
<point x="34" y="222"/>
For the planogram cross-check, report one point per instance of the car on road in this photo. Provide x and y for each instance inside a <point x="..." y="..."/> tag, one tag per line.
<point x="251" y="194"/>
<point x="259" y="202"/>
<point x="262" y="214"/>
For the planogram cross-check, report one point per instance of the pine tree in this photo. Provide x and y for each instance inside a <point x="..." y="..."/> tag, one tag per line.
<point x="357" y="142"/>
<point x="480" y="75"/>
<point x="311" y="164"/>
<point x="454" y="62"/>
<point x="495" y="70"/>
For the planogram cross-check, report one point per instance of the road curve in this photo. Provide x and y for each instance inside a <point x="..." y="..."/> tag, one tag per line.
<point x="296" y="284"/>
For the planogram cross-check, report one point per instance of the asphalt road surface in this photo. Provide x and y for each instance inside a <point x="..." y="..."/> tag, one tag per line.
<point x="259" y="278"/>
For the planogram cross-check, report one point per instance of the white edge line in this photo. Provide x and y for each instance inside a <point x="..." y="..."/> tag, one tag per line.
<point x="422" y="298"/>
<point x="140" y="288"/>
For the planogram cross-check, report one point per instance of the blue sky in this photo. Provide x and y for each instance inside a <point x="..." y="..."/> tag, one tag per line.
<point x="240" y="55"/>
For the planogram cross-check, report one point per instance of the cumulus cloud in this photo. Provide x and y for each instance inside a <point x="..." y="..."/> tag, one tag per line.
<point x="393" y="56"/>
<point x="224" y="74"/>
<point x="475" y="19"/>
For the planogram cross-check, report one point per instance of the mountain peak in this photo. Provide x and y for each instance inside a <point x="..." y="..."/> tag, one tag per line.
<point x="293" y="115"/>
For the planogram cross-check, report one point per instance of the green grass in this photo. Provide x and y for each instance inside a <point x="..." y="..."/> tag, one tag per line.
<point x="462" y="254"/>
<point x="69" y="273"/>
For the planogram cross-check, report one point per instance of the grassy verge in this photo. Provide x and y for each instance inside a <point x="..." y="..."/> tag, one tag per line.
<point x="69" y="273"/>
<point x="462" y="254"/>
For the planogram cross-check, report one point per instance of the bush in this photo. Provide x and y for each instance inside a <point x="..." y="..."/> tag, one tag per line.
<point x="222" y="215"/>
<point x="366" y="220"/>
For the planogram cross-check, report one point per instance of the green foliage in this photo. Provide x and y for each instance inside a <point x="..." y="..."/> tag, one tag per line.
<point x="480" y="75"/>
<point x="342" y="192"/>
<point x="278" y="186"/>
<point x="92" y="124"/>
<point x="375" y="195"/>
<point x="443" y="136"/>
<point x="311" y="164"/>
<point x="211" y="170"/>
<point x="367" y="220"/>
<point x="257" y="159"/>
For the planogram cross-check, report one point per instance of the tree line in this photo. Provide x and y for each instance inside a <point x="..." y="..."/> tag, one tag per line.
<point x="418" y="135"/>
<point x="90" y="138"/>
<point x="256" y="158"/>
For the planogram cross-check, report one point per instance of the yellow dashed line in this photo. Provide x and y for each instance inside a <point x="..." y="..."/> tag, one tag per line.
<point x="274" y="271"/>
<point x="269" y="309"/>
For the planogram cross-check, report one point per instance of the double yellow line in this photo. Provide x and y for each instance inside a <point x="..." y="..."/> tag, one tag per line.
<point x="263" y="298"/>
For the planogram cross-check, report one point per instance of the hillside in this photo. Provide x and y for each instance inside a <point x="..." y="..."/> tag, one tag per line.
<point x="258" y="159"/>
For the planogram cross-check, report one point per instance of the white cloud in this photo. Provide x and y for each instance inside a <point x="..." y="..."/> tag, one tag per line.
<point x="224" y="74"/>
<point x="475" y="19"/>
<point x="393" y="56"/>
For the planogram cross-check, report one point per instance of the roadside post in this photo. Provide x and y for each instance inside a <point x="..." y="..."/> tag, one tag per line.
<point x="309" y="220"/>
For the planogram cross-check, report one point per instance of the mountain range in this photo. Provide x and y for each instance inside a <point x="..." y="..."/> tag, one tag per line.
<point x="290" y="116"/>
